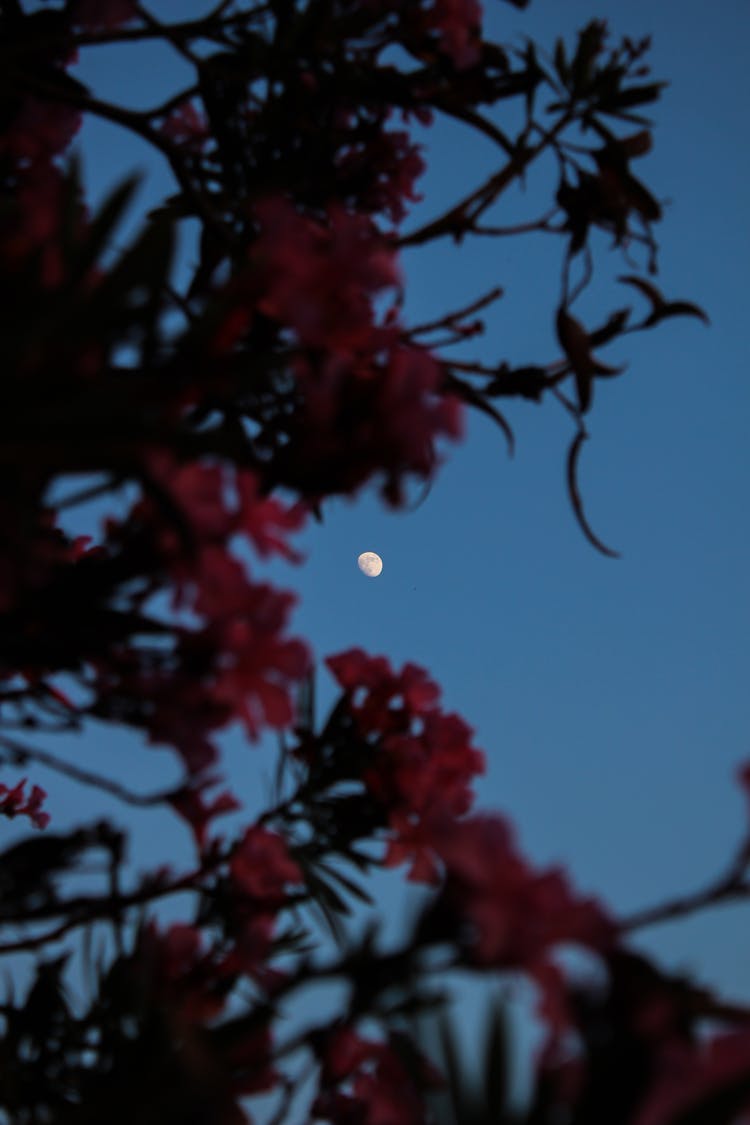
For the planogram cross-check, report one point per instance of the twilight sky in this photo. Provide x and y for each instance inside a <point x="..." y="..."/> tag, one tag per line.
<point x="610" y="695"/>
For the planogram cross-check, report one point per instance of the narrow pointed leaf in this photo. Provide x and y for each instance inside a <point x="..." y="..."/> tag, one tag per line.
<point x="496" y="1064"/>
<point x="575" y="497"/>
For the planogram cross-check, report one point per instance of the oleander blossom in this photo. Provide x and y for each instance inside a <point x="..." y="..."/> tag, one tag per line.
<point x="423" y="762"/>
<point x="382" y="418"/>
<point x="458" y="24"/>
<point x="15" y="802"/>
<point x="506" y="913"/>
<point x="103" y="15"/>
<point x="367" y="1080"/>
<point x="262" y="867"/>
<point x="320" y="279"/>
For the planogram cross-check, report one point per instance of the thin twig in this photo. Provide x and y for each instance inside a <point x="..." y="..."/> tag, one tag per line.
<point x="460" y="218"/>
<point x="22" y="754"/>
<point x="460" y="314"/>
<point x="716" y="894"/>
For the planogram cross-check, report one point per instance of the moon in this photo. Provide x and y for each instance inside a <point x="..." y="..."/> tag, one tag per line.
<point x="370" y="564"/>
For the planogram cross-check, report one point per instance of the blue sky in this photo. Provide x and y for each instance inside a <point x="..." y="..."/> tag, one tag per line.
<point x="609" y="695"/>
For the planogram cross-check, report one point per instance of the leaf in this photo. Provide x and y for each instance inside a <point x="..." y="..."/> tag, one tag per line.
<point x="611" y="328"/>
<point x="496" y="1064"/>
<point x="110" y="301"/>
<point x="661" y="308"/>
<point x="634" y="95"/>
<point x="576" y="343"/>
<point x="575" y="496"/>
<point x="561" y="63"/>
<point x="534" y="75"/>
<point x="305" y="720"/>
<point x="462" y="1109"/>
<point x="590" y="42"/>
<point x="322" y="890"/>
<point x="330" y="905"/>
<point x="637" y="144"/>
<point x="104" y="224"/>
<point x="477" y="400"/>
<point x="348" y="884"/>
<point x="611" y="99"/>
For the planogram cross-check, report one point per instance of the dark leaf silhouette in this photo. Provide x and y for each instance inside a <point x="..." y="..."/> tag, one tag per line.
<point x="661" y="308"/>
<point x="575" y="496"/>
<point x="577" y="345"/>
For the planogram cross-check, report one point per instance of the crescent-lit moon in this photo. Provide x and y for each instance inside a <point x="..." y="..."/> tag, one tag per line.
<point x="370" y="564"/>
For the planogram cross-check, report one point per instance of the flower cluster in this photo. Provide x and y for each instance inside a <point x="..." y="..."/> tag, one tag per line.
<point x="235" y="664"/>
<point x="424" y="761"/>
<point x="368" y="1081"/>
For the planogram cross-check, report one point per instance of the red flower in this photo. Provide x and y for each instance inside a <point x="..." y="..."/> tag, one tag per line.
<point x="696" y="1076"/>
<point x="388" y="1092"/>
<point x="261" y="865"/>
<point x="354" y="668"/>
<point x="187" y="127"/>
<point x="384" y="170"/>
<point x="458" y="24"/>
<point x="344" y="1052"/>
<point x="218" y="502"/>
<point x="424" y="763"/>
<point x="266" y="520"/>
<point x="40" y="131"/>
<point x="183" y="975"/>
<point x="383" y="1090"/>
<point x="514" y="914"/>
<point x="414" y="840"/>
<point x="103" y="15"/>
<point x="189" y="802"/>
<point x="252" y="946"/>
<point x="431" y="771"/>
<point x="382" y="413"/>
<point x="320" y="280"/>
<point x="257" y="666"/>
<point x="385" y="700"/>
<point x="32" y="230"/>
<point x="14" y="802"/>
